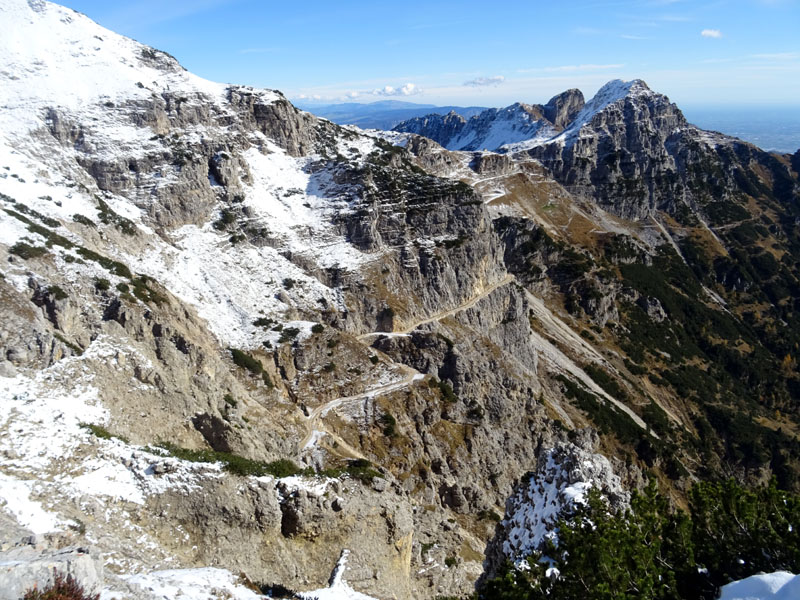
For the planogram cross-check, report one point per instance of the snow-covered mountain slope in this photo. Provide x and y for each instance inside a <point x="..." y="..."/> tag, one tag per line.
<point x="495" y="128"/>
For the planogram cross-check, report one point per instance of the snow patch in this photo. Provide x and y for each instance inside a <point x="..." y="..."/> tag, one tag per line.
<point x="189" y="584"/>
<point x="764" y="586"/>
<point x="338" y="590"/>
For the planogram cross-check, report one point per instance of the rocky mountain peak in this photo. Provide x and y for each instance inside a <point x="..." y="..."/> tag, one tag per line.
<point x="562" y="108"/>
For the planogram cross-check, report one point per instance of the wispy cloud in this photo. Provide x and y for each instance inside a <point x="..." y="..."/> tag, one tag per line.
<point x="571" y="68"/>
<point x="711" y="33"/>
<point x="627" y="36"/>
<point x="484" y="81"/>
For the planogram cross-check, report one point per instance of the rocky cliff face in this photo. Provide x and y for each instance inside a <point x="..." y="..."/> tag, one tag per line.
<point x="236" y="338"/>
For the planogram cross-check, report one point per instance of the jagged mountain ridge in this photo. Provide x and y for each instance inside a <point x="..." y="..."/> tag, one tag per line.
<point x="425" y="324"/>
<point x="495" y="128"/>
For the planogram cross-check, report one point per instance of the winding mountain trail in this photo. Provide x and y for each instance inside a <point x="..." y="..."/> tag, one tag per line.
<point x="315" y="425"/>
<point x="446" y="313"/>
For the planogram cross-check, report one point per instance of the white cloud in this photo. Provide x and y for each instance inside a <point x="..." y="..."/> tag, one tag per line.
<point x="484" y="81"/>
<point x="711" y="33"/>
<point x="409" y="89"/>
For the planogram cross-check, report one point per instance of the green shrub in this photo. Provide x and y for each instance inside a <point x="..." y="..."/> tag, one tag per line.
<point x="317" y="328"/>
<point x="109" y="217"/>
<point x="389" y="425"/>
<point x="112" y="266"/>
<point x="244" y="360"/>
<point x="288" y="334"/>
<point x="102" y="433"/>
<point x="288" y="283"/>
<point x="238" y="465"/>
<point x="447" y="392"/>
<point x="27" y="251"/>
<point x="267" y="380"/>
<point x="654" y="552"/>
<point x="362" y="470"/>
<point x="75" y="348"/>
<point x="57" y="293"/>
<point x="230" y="400"/>
<point x="102" y="284"/>
<point x="373" y="359"/>
<point x="83" y="220"/>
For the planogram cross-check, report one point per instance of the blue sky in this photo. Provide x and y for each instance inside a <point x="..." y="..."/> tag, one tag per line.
<point x="480" y="53"/>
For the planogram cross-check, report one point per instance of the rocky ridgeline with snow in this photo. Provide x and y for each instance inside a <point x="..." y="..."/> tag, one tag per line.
<point x="564" y="475"/>
<point x="238" y="341"/>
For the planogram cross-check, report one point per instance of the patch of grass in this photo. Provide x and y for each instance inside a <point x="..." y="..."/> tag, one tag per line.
<point x="237" y="465"/>
<point x="288" y="334"/>
<point x="112" y="266"/>
<point x="57" y="293"/>
<point x="606" y="417"/>
<point x="230" y="400"/>
<point x="109" y="217"/>
<point x="76" y="349"/>
<point x="244" y="360"/>
<point x="489" y="515"/>
<point x="26" y="251"/>
<point x="389" y="424"/>
<point x="78" y="218"/>
<point x="102" y="433"/>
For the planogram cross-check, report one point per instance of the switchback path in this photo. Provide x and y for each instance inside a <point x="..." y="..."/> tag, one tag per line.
<point x="314" y="421"/>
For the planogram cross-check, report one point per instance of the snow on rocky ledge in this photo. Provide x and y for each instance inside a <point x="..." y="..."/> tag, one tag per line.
<point x="565" y="474"/>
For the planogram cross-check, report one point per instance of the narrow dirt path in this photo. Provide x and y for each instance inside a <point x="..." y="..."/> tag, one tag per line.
<point x="447" y="313"/>
<point x="315" y="427"/>
<point x="314" y="421"/>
